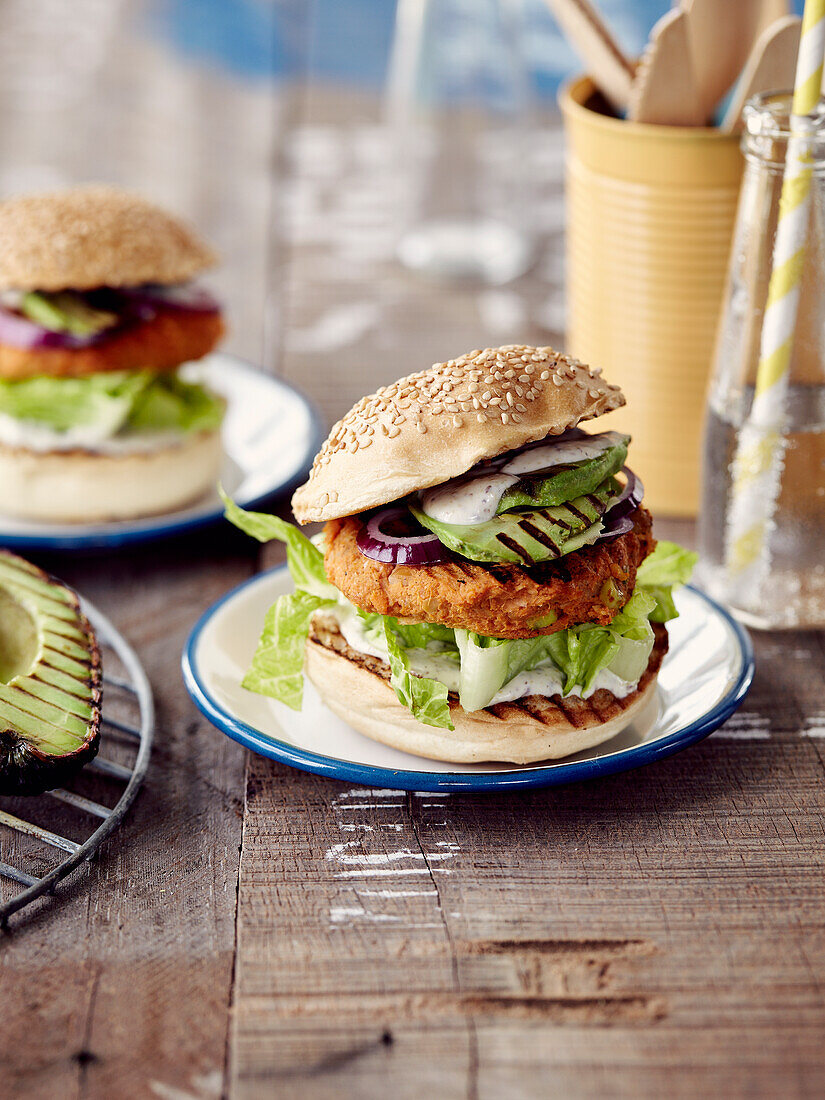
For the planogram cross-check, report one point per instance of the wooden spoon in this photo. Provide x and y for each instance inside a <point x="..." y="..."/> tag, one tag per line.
<point x="770" y="67"/>
<point x="607" y="64"/>
<point x="722" y="36"/>
<point x="665" y="91"/>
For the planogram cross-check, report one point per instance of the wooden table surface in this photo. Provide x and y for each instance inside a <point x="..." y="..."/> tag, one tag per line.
<point x="257" y="932"/>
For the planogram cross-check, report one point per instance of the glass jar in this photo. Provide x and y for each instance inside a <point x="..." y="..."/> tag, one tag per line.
<point x="790" y="590"/>
<point x="458" y="102"/>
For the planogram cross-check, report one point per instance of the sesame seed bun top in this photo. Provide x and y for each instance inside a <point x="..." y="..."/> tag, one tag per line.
<point x="92" y="236"/>
<point x="438" y="423"/>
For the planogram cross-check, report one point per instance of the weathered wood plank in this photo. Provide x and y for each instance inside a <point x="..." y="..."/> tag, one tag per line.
<point x="622" y="931"/>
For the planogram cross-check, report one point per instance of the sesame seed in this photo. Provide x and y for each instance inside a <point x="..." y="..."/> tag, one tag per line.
<point x="545" y="374"/>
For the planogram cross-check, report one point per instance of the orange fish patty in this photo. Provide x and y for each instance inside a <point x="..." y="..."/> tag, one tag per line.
<point x="172" y="337"/>
<point x="501" y="601"/>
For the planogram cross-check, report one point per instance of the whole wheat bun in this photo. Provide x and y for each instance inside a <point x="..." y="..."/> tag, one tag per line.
<point x="92" y="236"/>
<point x="85" y="487"/>
<point x="356" y="688"/>
<point x="436" y="424"/>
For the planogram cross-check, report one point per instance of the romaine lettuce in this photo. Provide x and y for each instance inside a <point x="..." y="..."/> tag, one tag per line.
<point x="425" y="699"/>
<point x="668" y="565"/>
<point x="305" y="561"/>
<point x="278" y="665"/>
<point x="112" y="402"/>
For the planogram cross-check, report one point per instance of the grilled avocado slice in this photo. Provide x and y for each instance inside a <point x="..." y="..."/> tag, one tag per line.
<point x="549" y="488"/>
<point x="50" y="681"/>
<point x="527" y="538"/>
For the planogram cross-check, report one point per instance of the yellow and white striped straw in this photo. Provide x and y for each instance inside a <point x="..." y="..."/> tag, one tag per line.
<point x="759" y="460"/>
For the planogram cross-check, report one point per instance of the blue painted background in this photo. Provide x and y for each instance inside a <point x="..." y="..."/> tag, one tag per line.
<point x="349" y="40"/>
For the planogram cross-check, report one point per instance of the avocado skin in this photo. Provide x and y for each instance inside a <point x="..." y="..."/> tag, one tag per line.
<point x="24" y="769"/>
<point x="540" y="491"/>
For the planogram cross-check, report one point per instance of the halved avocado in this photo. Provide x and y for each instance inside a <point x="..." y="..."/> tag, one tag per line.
<point x="50" y="681"/>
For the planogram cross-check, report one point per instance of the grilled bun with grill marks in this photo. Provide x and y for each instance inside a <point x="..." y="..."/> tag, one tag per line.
<point x="356" y="688"/>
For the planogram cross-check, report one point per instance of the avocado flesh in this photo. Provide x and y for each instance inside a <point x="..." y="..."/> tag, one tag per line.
<point x="49" y="681"/>
<point x="543" y="490"/>
<point x="526" y="538"/>
<point x="66" y="311"/>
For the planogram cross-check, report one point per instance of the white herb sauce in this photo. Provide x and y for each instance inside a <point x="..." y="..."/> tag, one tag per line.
<point x="474" y="499"/>
<point x="32" y="436"/>
<point x="470" y="501"/>
<point x="546" y="679"/>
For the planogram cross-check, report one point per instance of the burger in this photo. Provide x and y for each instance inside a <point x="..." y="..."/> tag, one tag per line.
<point x="98" y="311"/>
<point x="486" y="586"/>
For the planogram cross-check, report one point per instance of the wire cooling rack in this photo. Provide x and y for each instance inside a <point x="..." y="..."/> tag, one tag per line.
<point x="33" y="831"/>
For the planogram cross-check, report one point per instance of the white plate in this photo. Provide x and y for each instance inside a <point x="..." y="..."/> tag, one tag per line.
<point x="271" y="433"/>
<point x="705" y="676"/>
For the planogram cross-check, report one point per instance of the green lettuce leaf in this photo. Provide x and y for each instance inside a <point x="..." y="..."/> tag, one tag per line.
<point x="425" y="699"/>
<point x="167" y="403"/>
<point x="487" y="664"/>
<point x="668" y="565"/>
<point x="305" y="560"/>
<point x="278" y="665"/>
<point x="623" y="647"/>
<point x="113" y="401"/>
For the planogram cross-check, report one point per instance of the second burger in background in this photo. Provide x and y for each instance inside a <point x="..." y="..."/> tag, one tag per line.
<point x="98" y="310"/>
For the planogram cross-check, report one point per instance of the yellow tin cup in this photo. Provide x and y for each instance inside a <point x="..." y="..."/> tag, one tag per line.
<point x="650" y="215"/>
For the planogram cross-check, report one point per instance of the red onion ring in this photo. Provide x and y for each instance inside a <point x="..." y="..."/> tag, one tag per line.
<point x="375" y="543"/>
<point x="17" y="331"/>
<point x="621" y="526"/>
<point x="184" y="296"/>
<point x="630" y="497"/>
<point x="616" y="518"/>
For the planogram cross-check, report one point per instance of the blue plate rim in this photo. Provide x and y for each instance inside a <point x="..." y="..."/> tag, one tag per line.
<point x="169" y="528"/>
<point x="388" y="778"/>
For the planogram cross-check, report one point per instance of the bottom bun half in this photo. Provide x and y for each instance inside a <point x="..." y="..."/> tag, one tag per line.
<point x="86" y="487"/>
<point x="356" y="688"/>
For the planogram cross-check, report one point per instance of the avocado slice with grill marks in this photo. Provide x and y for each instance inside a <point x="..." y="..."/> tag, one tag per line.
<point x="527" y="538"/>
<point x="50" y="681"/>
<point x="548" y="488"/>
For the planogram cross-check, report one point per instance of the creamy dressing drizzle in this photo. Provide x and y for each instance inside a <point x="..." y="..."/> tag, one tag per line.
<point x="546" y="679"/>
<point x="31" y="436"/>
<point x="474" y="498"/>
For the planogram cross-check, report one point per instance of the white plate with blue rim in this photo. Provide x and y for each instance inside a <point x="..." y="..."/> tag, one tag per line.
<point x="271" y="433"/>
<point x="704" y="677"/>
